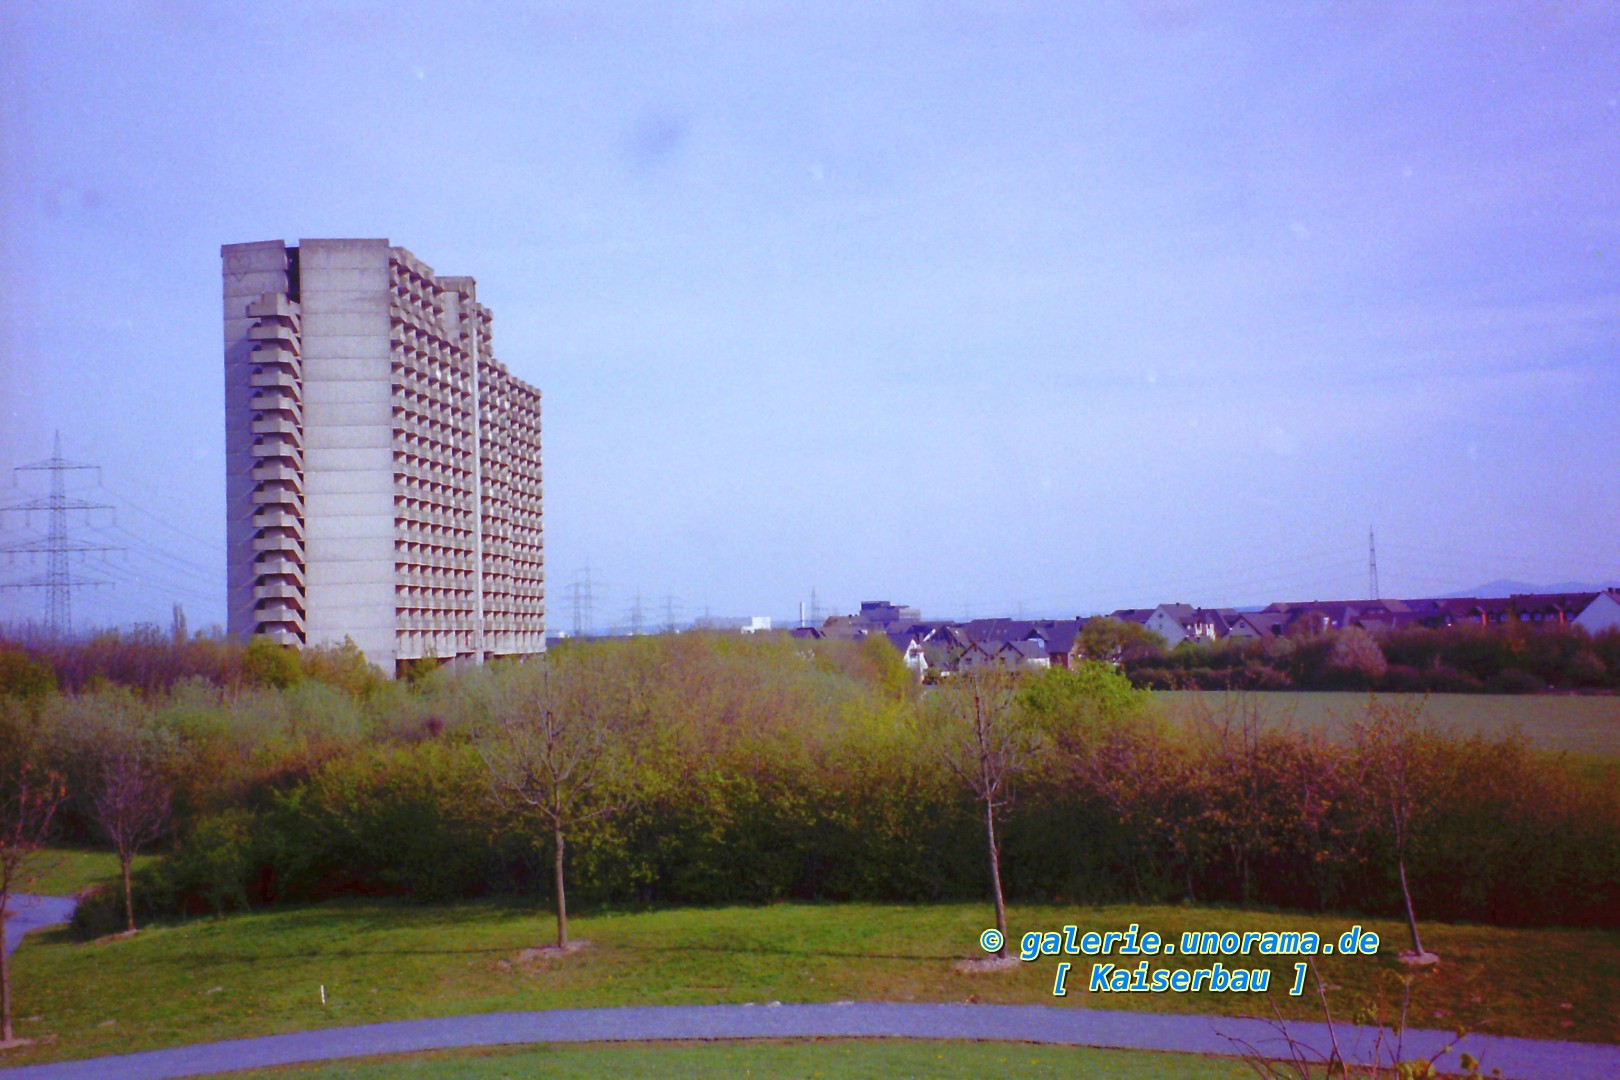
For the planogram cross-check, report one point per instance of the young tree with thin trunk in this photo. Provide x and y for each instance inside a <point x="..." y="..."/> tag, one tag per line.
<point x="29" y="797"/>
<point x="1396" y="758"/>
<point x="987" y="741"/>
<point x="130" y="803"/>
<point x="557" y="750"/>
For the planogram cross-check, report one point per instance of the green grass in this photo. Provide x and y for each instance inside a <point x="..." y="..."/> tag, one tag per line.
<point x="1578" y="725"/>
<point x="261" y="973"/>
<point x="792" y="1057"/>
<point x="65" y="871"/>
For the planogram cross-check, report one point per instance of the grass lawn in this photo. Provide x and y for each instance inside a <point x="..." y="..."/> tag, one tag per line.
<point x="788" y="1057"/>
<point x="1579" y="725"/>
<point x="65" y="871"/>
<point x="261" y="973"/>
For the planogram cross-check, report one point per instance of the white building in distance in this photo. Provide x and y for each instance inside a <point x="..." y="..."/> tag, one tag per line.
<point x="382" y="467"/>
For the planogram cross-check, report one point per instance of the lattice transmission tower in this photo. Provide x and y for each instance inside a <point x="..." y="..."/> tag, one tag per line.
<point x="1372" y="565"/>
<point x="58" y="547"/>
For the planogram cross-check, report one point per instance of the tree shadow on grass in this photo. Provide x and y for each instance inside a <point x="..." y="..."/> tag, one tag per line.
<point x="778" y="950"/>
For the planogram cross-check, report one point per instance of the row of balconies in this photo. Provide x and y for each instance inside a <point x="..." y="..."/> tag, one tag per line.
<point x="435" y="376"/>
<point x="406" y="514"/>
<point x="421" y="600"/>
<point x="430" y="412"/>
<point x="408" y="387"/>
<point x="278" y="592"/>
<point x="411" y="289"/>
<point x="436" y="573"/>
<point x="409" y="478"/>
<point x="432" y="579"/>
<point x="418" y="528"/>
<point x="418" y="335"/>
<point x="436" y="432"/>
<point x="514" y="625"/>
<point x="437" y="494"/>
<point x="453" y="462"/>
<point x="447" y="362"/>
<point x="418" y="623"/>
<point x="433" y="556"/>
<point x="413" y="467"/>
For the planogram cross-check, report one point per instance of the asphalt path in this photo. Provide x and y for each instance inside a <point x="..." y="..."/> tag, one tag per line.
<point x="1521" y="1058"/>
<point x="25" y="914"/>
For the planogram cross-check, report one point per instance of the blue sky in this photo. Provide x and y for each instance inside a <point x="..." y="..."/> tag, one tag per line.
<point x="981" y="307"/>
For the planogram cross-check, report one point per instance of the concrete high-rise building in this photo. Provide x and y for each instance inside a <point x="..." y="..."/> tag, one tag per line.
<point x="382" y="467"/>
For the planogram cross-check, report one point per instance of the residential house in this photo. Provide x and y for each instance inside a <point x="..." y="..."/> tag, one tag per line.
<point x="1603" y="613"/>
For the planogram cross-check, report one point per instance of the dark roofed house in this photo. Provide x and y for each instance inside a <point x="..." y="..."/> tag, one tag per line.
<point x="883" y="615"/>
<point x="1023" y="655"/>
<point x="1183" y="622"/>
<point x="1261" y="625"/>
<point x="1556" y="609"/>
<point x="1062" y="638"/>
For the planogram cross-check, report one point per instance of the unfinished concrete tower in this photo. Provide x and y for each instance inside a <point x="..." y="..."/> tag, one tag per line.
<point x="382" y="467"/>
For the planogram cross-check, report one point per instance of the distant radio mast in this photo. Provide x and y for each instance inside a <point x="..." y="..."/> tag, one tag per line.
<point x="1372" y="564"/>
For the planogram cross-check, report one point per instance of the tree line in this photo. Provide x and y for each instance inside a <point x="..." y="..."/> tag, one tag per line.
<point x="1513" y="658"/>
<point x="702" y="769"/>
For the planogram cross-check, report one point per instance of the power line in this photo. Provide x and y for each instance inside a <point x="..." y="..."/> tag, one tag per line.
<point x="58" y="580"/>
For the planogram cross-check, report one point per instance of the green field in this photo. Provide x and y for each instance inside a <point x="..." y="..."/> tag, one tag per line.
<point x="261" y="973"/>
<point x="794" y="1057"/>
<point x="1582" y="725"/>
<point x="65" y="871"/>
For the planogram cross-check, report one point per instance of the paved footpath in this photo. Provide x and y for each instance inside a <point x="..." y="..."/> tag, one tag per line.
<point x="28" y="913"/>
<point x="1527" y="1059"/>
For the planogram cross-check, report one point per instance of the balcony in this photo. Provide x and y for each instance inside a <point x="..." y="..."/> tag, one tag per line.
<point x="279" y="611"/>
<point x="277" y="376"/>
<point x="275" y="426"/>
<point x="275" y="333"/>
<point x="274" y="306"/>
<point x="281" y="402"/>
<point x="274" y="470"/>
<point x="267" y="566"/>
<point x="280" y="497"/>
<point x="279" y="446"/>
<point x="280" y="591"/>
<point x="272" y="517"/>
<point x="279" y="543"/>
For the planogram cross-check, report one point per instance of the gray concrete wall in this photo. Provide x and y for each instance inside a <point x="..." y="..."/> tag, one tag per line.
<point x="348" y="445"/>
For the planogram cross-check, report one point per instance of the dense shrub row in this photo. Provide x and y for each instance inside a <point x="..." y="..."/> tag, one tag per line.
<point x="1510" y="659"/>
<point x="762" y="772"/>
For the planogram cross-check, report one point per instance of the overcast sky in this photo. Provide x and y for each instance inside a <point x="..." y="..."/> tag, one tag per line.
<point x="981" y="307"/>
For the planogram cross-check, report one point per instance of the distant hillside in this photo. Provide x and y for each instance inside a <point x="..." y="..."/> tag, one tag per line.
<point x="1503" y="587"/>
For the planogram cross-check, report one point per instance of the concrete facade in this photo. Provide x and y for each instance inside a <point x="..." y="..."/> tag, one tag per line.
<point x="383" y="468"/>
